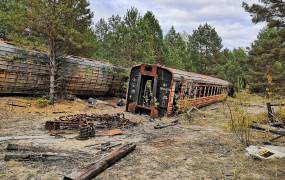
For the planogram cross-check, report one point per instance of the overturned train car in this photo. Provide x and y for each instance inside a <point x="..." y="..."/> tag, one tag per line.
<point x="27" y="72"/>
<point x="160" y="91"/>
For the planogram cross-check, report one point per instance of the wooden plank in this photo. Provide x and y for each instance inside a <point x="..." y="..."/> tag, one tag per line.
<point x="274" y="130"/>
<point x="96" y="168"/>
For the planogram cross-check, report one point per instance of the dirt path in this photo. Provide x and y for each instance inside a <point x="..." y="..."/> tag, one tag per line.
<point x="199" y="147"/>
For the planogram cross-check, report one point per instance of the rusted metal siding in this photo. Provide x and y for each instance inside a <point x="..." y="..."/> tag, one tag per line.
<point x="27" y="72"/>
<point x="186" y="104"/>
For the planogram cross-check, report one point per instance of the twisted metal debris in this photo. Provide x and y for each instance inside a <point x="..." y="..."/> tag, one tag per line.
<point x="88" y="124"/>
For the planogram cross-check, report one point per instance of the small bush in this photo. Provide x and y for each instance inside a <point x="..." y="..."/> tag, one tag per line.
<point x="42" y="102"/>
<point x="280" y="114"/>
<point x="240" y="123"/>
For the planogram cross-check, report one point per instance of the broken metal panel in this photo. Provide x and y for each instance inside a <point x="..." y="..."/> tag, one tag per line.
<point x="133" y="88"/>
<point x="163" y="89"/>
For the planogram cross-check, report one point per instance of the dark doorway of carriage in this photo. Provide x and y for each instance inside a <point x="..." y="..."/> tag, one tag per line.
<point x="146" y="91"/>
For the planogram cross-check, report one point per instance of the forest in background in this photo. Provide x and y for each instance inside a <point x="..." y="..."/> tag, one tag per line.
<point x="135" y="38"/>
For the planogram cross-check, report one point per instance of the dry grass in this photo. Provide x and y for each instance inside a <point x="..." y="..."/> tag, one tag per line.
<point x="199" y="147"/>
<point x="281" y="113"/>
<point x="246" y="109"/>
<point x="239" y="123"/>
<point x="246" y="98"/>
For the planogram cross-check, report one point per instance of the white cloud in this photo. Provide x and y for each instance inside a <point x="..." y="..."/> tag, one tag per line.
<point x="228" y="17"/>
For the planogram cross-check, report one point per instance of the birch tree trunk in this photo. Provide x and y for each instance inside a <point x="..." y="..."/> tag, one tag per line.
<point x="52" y="59"/>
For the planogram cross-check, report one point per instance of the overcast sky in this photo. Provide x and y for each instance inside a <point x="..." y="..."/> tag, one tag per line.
<point x="232" y="23"/>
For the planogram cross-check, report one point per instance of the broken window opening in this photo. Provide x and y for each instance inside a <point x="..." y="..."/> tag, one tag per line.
<point x="177" y="93"/>
<point x="146" y="94"/>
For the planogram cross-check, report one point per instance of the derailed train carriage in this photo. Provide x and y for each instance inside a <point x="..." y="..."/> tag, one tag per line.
<point x="25" y="71"/>
<point x="160" y="91"/>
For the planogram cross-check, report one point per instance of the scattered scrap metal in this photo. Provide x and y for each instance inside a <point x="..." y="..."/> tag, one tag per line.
<point x="87" y="125"/>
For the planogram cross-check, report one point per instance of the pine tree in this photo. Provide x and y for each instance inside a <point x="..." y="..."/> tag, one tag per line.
<point x="152" y="38"/>
<point x="267" y="57"/>
<point x="205" y="45"/>
<point x="270" y="11"/>
<point x="132" y="39"/>
<point x="176" y="54"/>
<point x="267" y="53"/>
<point x="234" y="67"/>
<point x="60" y="25"/>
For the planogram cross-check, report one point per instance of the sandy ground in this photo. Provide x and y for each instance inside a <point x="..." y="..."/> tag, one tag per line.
<point x="201" y="146"/>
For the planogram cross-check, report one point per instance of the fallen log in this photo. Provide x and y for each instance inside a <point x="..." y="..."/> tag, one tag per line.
<point x="17" y="147"/>
<point x="96" y="168"/>
<point x="274" y="130"/>
<point x="160" y="126"/>
<point x="8" y="138"/>
<point x="34" y="157"/>
<point x="277" y="137"/>
<point x="277" y="104"/>
<point x="38" y="149"/>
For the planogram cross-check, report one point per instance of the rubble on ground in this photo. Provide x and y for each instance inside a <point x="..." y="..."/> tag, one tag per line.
<point x="266" y="152"/>
<point x="89" y="125"/>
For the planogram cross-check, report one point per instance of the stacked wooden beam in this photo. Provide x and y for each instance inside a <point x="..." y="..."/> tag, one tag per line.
<point x="27" y="72"/>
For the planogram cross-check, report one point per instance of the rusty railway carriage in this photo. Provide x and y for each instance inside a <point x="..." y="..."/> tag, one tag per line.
<point x="24" y="71"/>
<point x="160" y="91"/>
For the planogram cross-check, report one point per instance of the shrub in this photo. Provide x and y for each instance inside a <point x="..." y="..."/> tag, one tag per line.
<point x="42" y="102"/>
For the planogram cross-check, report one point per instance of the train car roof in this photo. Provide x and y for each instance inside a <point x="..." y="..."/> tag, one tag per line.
<point x="7" y="47"/>
<point x="195" y="77"/>
<point x="200" y="78"/>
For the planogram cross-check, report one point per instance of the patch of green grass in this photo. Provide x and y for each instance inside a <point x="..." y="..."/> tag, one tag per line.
<point x="42" y="102"/>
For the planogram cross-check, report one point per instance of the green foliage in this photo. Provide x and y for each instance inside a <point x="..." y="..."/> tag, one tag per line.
<point x="64" y="26"/>
<point x="139" y="39"/>
<point x="4" y="27"/>
<point x="153" y="38"/>
<point x="267" y="53"/>
<point x="176" y="52"/>
<point x="234" y="67"/>
<point x="205" y="45"/>
<point x="42" y="102"/>
<point x="267" y="56"/>
<point x="60" y="27"/>
<point x="132" y="39"/>
<point x="270" y="11"/>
